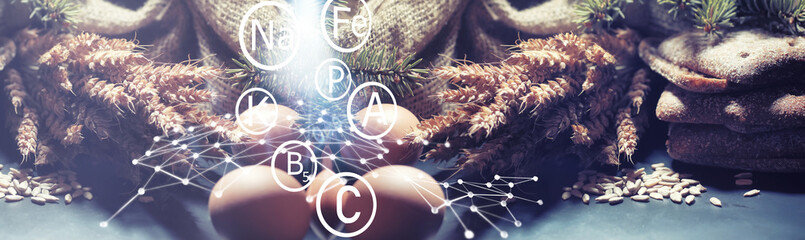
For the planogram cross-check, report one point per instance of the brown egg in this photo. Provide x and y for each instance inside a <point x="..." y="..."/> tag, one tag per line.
<point x="252" y="150"/>
<point x="400" y="151"/>
<point x="328" y="199"/>
<point x="401" y="212"/>
<point x="247" y="203"/>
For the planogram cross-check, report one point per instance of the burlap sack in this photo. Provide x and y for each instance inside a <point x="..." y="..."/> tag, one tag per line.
<point x="207" y="30"/>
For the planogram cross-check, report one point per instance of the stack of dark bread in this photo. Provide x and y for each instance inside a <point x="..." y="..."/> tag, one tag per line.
<point x="736" y="101"/>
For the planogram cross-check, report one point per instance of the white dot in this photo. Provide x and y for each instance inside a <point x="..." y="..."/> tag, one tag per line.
<point x="175" y="142"/>
<point x="470" y="194"/>
<point x="363" y="160"/>
<point x="324" y="112"/>
<point x="309" y="199"/>
<point x="228" y="115"/>
<point x="218" y="194"/>
<point x="185" y="181"/>
<point x="148" y="153"/>
<point x="104" y="224"/>
<point x="518" y="223"/>
<point x="190" y="129"/>
<point x="510" y="195"/>
<point x="497" y="177"/>
<point x="348" y="143"/>
<point x="447" y="144"/>
<point x="539" y="202"/>
<point x="300" y="102"/>
<point x="425" y="142"/>
<point x="399" y="142"/>
<point x="340" y="130"/>
<point x="448" y="203"/>
<point x="320" y="120"/>
<point x="504" y="234"/>
<point x="262" y="141"/>
<point x="135" y="162"/>
<point x="213" y="124"/>
<point x="228" y="159"/>
<point x="503" y="203"/>
<point x="379" y="156"/>
<point x="302" y="130"/>
<point x="157" y="138"/>
<point x="374" y="175"/>
<point x="460" y="181"/>
<point x="184" y="146"/>
<point x="195" y="155"/>
<point x="141" y="191"/>
<point x="445" y="185"/>
<point x="217" y="145"/>
<point x="157" y="169"/>
<point x="176" y="130"/>
<point x="468" y="234"/>
<point x="473" y="208"/>
<point x="535" y="178"/>
<point x="332" y="156"/>
<point x="488" y="185"/>
<point x="511" y="185"/>
<point x="283" y="151"/>
<point x="379" y="141"/>
<point x="434" y="210"/>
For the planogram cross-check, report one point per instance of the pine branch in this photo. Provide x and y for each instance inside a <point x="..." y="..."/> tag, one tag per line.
<point x="783" y="14"/>
<point x="715" y="15"/>
<point x="678" y="6"/>
<point x="54" y="14"/>
<point x="367" y="65"/>
<point x="599" y="14"/>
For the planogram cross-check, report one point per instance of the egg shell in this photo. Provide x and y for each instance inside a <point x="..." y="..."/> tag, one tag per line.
<point x="405" y="153"/>
<point x="402" y="213"/>
<point x="284" y="130"/>
<point x="253" y="206"/>
<point x="328" y="199"/>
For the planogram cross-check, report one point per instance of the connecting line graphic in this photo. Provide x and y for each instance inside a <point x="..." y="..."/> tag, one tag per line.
<point x="184" y="159"/>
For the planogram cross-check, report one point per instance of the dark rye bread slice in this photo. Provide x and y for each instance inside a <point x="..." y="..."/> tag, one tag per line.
<point x="780" y="107"/>
<point x="715" y="145"/>
<point x="739" y="60"/>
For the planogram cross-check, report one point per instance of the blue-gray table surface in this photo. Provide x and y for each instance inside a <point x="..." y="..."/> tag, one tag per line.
<point x="181" y="213"/>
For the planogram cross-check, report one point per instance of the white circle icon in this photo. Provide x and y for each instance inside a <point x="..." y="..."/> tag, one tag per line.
<point x="245" y="126"/>
<point x="269" y="36"/>
<point x="284" y="148"/>
<point x="341" y="192"/>
<point x="327" y="88"/>
<point x="357" y="20"/>
<point x="352" y="118"/>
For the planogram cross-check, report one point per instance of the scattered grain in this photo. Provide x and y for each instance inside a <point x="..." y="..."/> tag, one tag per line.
<point x="715" y="201"/>
<point x="752" y="193"/>
<point x="690" y="199"/>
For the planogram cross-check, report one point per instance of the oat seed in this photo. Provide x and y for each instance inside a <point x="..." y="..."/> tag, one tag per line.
<point x="752" y="193"/>
<point x="615" y="200"/>
<point x="676" y="197"/>
<point x="715" y="201"/>
<point x="640" y="198"/>
<point x="690" y="199"/>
